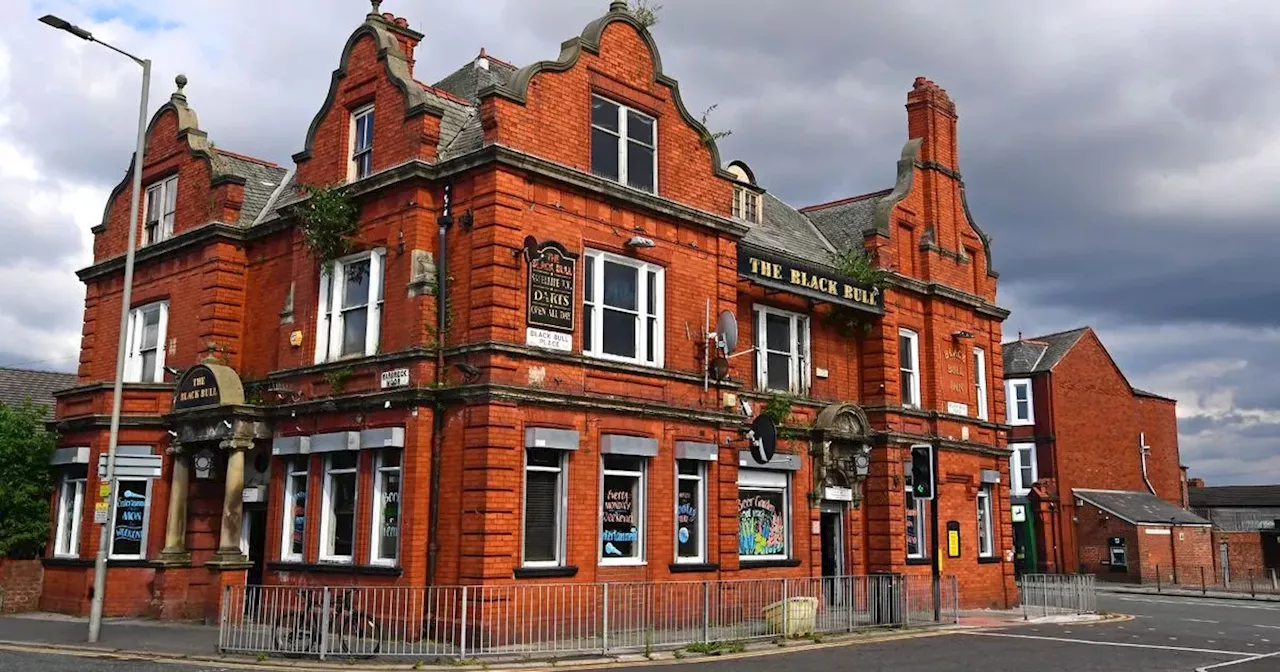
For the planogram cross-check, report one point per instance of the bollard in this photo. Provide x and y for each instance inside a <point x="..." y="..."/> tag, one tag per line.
<point x="1203" y="590"/>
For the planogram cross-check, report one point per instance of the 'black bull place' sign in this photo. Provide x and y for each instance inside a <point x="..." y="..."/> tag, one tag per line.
<point x="822" y="285"/>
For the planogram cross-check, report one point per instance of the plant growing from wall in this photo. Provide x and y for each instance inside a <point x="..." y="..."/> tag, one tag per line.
<point x="712" y="137"/>
<point x="646" y="12"/>
<point x="25" y="480"/>
<point x="329" y="223"/>
<point x="854" y="263"/>
<point x="778" y="407"/>
<point x="337" y="380"/>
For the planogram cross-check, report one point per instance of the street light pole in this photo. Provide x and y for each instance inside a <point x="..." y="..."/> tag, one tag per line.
<point x="100" y="563"/>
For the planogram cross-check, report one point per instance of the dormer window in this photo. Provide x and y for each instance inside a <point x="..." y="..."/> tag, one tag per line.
<point x="746" y="204"/>
<point x="361" y="143"/>
<point x="161" y="205"/>
<point x="624" y="145"/>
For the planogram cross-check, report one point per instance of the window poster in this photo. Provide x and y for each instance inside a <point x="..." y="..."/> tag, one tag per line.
<point x="130" y="522"/>
<point x="761" y="523"/>
<point x="687" y="519"/>
<point x="389" y="540"/>
<point x="619" y="532"/>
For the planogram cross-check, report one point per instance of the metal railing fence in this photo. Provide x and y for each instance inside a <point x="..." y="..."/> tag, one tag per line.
<point x="1212" y="578"/>
<point x="1044" y="595"/>
<point x="565" y="620"/>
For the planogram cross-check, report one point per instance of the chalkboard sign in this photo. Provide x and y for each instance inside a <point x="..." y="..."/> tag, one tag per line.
<point x="618" y="533"/>
<point x="762" y="529"/>
<point x="130" y="519"/>
<point x="551" y="277"/>
<point x="197" y="389"/>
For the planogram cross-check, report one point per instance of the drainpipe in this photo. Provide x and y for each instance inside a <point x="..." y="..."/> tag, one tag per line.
<point x="437" y="416"/>
<point x="1142" y="451"/>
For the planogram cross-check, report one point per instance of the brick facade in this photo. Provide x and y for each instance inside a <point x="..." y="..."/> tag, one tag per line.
<point x="20" y="582"/>
<point x="243" y="289"/>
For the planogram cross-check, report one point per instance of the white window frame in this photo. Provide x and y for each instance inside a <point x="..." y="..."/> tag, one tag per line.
<point x="327" y="520"/>
<point x="1016" y="486"/>
<point x="980" y="382"/>
<point x="921" y="508"/>
<point x="700" y="523"/>
<point x="914" y="339"/>
<point x="624" y="139"/>
<point x="294" y="467"/>
<point x="354" y="150"/>
<point x="1011" y="401"/>
<point x="985" y="524"/>
<point x="133" y="342"/>
<point x="166" y="196"/>
<point x="561" y="501"/>
<point x="116" y="491"/>
<point x="329" y="325"/>
<point x="67" y="541"/>
<point x="799" y="339"/>
<point x="382" y="471"/>
<point x="638" y="508"/>
<point x="593" y="308"/>
<point x="762" y="480"/>
<point x="747" y="204"/>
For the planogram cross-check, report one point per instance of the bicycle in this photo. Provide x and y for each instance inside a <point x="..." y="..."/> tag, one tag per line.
<point x="298" y="632"/>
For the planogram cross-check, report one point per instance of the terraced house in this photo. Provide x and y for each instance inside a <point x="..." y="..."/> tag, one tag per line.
<point x="517" y="365"/>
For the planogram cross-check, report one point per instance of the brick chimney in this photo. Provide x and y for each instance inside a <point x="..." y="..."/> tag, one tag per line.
<point x="931" y="115"/>
<point x="399" y="27"/>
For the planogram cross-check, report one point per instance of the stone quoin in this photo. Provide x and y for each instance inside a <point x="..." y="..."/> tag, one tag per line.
<point x="572" y="421"/>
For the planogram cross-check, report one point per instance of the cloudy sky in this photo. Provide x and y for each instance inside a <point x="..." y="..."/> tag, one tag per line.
<point x="1123" y="155"/>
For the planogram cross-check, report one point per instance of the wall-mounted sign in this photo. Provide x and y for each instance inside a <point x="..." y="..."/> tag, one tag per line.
<point x="956" y="408"/>
<point x="837" y="493"/>
<point x="551" y="340"/>
<point x="551" y="277"/>
<point x="197" y="389"/>
<point x="1018" y="513"/>
<point x="395" y="378"/>
<point x="775" y="272"/>
<point x="953" y="539"/>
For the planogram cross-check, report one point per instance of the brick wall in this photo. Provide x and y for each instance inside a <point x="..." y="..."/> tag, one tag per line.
<point x="1244" y="553"/>
<point x="20" y="584"/>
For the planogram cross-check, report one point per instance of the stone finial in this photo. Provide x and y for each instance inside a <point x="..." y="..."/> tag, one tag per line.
<point x="179" y="94"/>
<point x="377" y="7"/>
<point x="618" y="6"/>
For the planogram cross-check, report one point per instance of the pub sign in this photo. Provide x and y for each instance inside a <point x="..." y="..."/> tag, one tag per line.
<point x="776" y="272"/>
<point x="197" y="389"/>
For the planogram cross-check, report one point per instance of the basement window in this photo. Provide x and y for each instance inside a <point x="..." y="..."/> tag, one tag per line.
<point x="624" y="145"/>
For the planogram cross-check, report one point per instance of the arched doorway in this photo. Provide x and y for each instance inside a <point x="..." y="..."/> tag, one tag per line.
<point x="841" y="452"/>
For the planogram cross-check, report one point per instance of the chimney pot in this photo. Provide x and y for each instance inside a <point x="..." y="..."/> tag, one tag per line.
<point x="402" y="22"/>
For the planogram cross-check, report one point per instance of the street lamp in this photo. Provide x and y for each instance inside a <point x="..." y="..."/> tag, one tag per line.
<point x="100" y="564"/>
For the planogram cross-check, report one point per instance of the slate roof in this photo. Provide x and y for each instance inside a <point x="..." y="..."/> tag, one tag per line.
<point x="261" y="180"/>
<point x="784" y="229"/>
<point x="1138" y="507"/>
<point x="470" y="79"/>
<point x="1231" y="496"/>
<point x="18" y="384"/>
<point x="843" y="222"/>
<point x="1039" y="354"/>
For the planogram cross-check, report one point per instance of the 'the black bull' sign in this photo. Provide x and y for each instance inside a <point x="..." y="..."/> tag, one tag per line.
<point x="824" y="285"/>
<point x="208" y="384"/>
<point x="551" y="276"/>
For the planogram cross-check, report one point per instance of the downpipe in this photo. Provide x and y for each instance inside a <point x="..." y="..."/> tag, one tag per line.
<point x="437" y="414"/>
<point x="1142" y="451"/>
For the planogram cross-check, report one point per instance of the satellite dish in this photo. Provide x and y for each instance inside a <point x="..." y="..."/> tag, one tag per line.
<point x="719" y="368"/>
<point x="727" y="330"/>
<point x="763" y="437"/>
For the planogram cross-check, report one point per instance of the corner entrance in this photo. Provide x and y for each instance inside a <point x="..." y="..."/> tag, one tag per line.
<point x="833" y="555"/>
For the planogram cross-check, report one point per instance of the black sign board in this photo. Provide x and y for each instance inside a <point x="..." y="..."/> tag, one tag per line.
<point x="197" y="389"/>
<point x="551" y="277"/>
<point x="131" y="516"/>
<point x="763" y="436"/>
<point x="776" y="272"/>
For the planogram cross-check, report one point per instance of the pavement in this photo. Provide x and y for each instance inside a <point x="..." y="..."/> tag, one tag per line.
<point x="1189" y="592"/>
<point x="1158" y="633"/>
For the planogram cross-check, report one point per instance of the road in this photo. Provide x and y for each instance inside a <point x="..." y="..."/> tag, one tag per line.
<point x="1166" y="634"/>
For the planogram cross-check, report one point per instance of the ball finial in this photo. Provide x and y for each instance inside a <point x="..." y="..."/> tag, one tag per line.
<point x="181" y="81"/>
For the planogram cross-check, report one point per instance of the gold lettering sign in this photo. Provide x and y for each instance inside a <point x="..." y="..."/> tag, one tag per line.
<point x="198" y="388"/>
<point x="758" y="267"/>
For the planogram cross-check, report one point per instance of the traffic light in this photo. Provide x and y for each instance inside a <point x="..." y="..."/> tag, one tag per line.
<point x="922" y="476"/>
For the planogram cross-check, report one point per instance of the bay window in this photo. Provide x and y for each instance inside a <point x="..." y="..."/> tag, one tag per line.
<point x="909" y="368"/>
<point x="782" y="350"/>
<point x="294" y="521"/>
<point x="623" y="309"/>
<point x="145" y="343"/>
<point x="386" y="508"/>
<point x="70" y="511"/>
<point x="691" y="505"/>
<point x="338" y="513"/>
<point x="622" y="510"/>
<point x="624" y="145"/>
<point x="349" y="318"/>
<point x="764" y="515"/>
<point x="544" y="507"/>
<point x="159" y="208"/>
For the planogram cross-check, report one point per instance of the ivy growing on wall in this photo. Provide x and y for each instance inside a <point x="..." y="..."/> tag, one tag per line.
<point x="329" y="223"/>
<point x="856" y="264"/>
<point x="778" y="407"/>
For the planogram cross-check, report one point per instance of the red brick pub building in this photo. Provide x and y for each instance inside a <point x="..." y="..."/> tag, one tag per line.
<point x="504" y="379"/>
